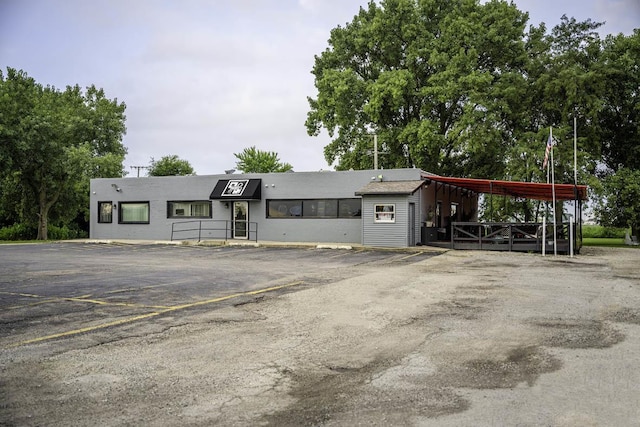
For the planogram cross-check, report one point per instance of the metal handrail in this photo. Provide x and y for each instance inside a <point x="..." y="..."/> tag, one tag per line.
<point x="220" y="229"/>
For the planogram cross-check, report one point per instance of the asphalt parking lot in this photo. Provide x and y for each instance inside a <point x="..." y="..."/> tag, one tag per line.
<point x="129" y="335"/>
<point x="60" y="290"/>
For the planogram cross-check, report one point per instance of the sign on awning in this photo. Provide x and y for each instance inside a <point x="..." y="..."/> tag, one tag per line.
<point x="237" y="189"/>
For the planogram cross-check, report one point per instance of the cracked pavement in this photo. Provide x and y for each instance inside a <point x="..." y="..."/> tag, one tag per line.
<point x="458" y="339"/>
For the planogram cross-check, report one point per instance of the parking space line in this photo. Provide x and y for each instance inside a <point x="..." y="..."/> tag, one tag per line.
<point x="149" y="315"/>
<point x="87" y="329"/>
<point x="121" y="304"/>
<point x="33" y="304"/>
<point x="84" y="298"/>
<point x="224" y="298"/>
<point x="411" y="256"/>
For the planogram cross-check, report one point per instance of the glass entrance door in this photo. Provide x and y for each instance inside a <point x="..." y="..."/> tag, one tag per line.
<point x="240" y="220"/>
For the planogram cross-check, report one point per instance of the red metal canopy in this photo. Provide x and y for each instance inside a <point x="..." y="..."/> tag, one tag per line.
<point x="527" y="190"/>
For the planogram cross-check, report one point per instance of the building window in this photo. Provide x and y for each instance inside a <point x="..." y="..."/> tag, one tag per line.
<point x="134" y="213"/>
<point x="384" y="213"/>
<point x="195" y="209"/>
<point x="314" y="208"/>
<point x="105" y="212"/>
<point x="350" y="208"/>
<point x="320" y="208"/>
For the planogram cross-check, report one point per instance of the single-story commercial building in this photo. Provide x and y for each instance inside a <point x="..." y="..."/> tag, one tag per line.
<point x="387" y="208"/>
<point x="382" y="208"/>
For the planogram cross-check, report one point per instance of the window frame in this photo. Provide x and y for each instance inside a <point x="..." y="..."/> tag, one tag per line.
<point x="120" y="212"/>
<point x="100" y="204"/>
<point x="382" y="216"/>
<point x="286" y="208"/>
<point x="191" y="203"/>
<point x="342" y="202"/>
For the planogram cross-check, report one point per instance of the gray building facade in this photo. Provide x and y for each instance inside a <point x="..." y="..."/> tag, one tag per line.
<point x="383" y="208"/>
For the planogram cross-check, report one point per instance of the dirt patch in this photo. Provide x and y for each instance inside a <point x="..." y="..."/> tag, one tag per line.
<point x="522" y="364"/>
<point x="341" y="396"/>
<point x="624" y="315"/>
<point x="576" y="333"/>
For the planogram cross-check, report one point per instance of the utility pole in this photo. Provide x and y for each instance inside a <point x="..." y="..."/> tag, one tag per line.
<point x="375" y="151"/>
<point x="138" y="168"/>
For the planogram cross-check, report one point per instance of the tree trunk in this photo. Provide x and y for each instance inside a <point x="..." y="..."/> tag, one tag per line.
<point x="43" y="216"/>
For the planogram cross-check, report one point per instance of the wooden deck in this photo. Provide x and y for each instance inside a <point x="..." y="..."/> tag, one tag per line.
<point x="511" y="237"/>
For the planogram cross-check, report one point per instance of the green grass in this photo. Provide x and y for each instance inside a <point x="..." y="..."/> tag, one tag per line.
<point x="604" y="241"/>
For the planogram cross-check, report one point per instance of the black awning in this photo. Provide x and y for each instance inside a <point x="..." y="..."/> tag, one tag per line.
<point x="237" y="189"/>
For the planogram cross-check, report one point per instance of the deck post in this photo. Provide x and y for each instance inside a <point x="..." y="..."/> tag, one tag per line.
<point x="544" y="235"/>
<point x="571" y="236"/>
<point x="452" y="246"/>
<point x="510" y="238"/>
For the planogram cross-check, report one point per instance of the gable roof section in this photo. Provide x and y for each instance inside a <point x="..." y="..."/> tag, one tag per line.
<point x="527" y="190"/>
<point x="389" y="188"/>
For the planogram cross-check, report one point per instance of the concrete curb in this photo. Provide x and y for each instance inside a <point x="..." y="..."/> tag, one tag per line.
<point x="268" y="244"/>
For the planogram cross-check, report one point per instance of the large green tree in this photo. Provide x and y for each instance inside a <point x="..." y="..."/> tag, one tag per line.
<point x="252" y="160"/>
<point x="463" y="88"/>
<point x="171" y="165"/>
<point x="431" y="78"/>
<point x="619" y="118"/>
<point x="618" y="127"/>
<point x="621" y="205"/>
<point x="561" y="83"/>
<point x="52" y="143"/>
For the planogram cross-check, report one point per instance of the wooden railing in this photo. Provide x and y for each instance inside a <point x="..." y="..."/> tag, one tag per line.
<point x="520" y="237"/>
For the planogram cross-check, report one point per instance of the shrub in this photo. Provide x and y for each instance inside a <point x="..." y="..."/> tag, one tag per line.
<point x="599" y="232"/>
<point x="18" y="232"/>
<point x="26" y="232"/>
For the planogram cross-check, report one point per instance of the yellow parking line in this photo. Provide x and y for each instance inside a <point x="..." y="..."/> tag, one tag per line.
<point x="224" y="298"/>
<point x="120" y="304"/>
<point x="87" y="329"/>
<point x="20" y="294"/>
<point x="83" y="298"/>
<point x="33" y="304"/>
<point x="411" y="256"/>
<point x="148" y="315"/>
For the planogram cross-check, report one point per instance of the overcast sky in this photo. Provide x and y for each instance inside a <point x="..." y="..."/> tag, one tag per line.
<point x="204" y="79"/>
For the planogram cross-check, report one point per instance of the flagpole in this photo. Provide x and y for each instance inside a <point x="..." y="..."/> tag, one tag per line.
<point x="553" y="191"/>
<point x="575" y="151"/>
<point x="544" y="221"/>
<point x="575" y="183"/>
<point x="546" y="211"/>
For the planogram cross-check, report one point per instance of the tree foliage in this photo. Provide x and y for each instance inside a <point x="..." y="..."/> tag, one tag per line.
<point x="464" y="88"/>
<point x="430" y="78"/>
<point x="621" y="205"/>
<point x="52" y="143"/>
<point x="170" y="166"/>
<point x="252" y="160"/>
<point x="619" y="119"/>
<point x="618" y="125"/>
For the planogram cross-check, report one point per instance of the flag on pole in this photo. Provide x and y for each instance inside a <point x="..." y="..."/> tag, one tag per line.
<point x="547" y="151"/>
